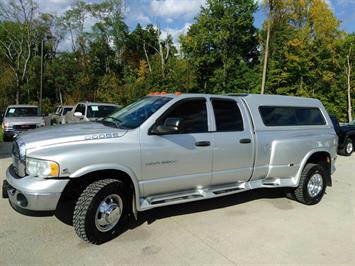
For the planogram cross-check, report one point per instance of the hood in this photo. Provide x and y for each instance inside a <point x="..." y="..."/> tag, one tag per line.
<point x="24" y="120"/>
<point x="68" y="133"/>
<point x="347" y="128"/>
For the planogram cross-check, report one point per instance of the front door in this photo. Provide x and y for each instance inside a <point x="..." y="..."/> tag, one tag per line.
<point x="233" y="143"/>
<point x="180" y="161"/>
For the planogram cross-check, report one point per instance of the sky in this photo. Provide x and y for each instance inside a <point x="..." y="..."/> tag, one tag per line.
<point x="175" y="16"/>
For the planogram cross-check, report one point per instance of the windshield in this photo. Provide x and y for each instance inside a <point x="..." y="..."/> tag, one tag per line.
<point x="96" y="111"/>
<point x="21" y="111"/>
<point x="133" y="115"/>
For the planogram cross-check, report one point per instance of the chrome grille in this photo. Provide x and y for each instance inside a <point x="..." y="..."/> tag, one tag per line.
<point x="24" y="127"/>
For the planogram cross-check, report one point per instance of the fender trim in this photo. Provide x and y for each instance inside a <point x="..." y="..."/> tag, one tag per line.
<point x="304" y="162"/>
<point x="138" y="190"/>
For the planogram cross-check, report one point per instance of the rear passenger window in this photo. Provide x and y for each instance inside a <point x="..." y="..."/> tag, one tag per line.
<point x="227" y="114"/>
<point x="291" y="116"/>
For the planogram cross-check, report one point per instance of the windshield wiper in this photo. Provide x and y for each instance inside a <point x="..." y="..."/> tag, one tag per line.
<point x="116" y="122"/>
<point x="113" y="118"/>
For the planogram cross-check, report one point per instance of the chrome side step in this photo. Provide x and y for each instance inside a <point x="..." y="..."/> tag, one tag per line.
<point x="212" y="192"/>
<point x="178" y="197"/>
<point x="192" y="195"/>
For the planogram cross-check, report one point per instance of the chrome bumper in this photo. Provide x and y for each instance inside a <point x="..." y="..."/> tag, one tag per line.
<point x="33" y="194"/>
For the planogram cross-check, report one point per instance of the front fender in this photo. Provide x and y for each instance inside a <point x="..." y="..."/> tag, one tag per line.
<point x="138" y="190"/>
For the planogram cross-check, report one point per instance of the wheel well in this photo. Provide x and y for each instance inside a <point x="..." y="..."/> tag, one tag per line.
<point x="324" y="159"/>
<point x="352" y="137"/>
<point x="77" y="185"/>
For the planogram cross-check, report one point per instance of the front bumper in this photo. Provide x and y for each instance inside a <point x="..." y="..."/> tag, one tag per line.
<point x="29" y="194"/>
<point x="9" y="134"/>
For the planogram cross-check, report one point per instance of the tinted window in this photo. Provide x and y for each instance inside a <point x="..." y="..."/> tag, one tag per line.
<point x="228" y="116"/>
<point x="193" y="115"/>
<point x="291" y="116"/>
<point x="66" y="110"/>
<point x="100" y="110"/>
<point x="133" y="115"/>
<point x="80" y="108"/>
<point x="21" y="111"/>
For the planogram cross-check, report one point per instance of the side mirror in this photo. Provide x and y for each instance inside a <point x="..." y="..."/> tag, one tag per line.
<point x="171" y="126"/>
<point x="78" y="114"/>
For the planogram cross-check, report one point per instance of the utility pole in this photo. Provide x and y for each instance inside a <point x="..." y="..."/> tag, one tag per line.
<point x="348" y="69"/>
<point x="266" y="56"/>
<point x="41" y="82"/>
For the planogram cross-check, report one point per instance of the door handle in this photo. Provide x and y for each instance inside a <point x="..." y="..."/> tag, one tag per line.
<point x="245" y="141"/>
<point x="202" y="143"/>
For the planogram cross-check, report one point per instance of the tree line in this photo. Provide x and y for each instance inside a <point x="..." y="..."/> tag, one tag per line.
<point x="300" y="50"/>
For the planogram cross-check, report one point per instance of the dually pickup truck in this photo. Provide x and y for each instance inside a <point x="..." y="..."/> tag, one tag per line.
<point x="168" y="149"/>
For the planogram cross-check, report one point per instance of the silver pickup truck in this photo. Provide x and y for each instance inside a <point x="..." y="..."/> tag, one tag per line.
<point x="20" y="118"/>
<point x="168" y="149"/>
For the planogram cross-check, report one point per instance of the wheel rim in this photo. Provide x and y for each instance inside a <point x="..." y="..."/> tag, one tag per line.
<point x="108" y="213"/>
<point x="349" y="147"/>
<point x="315" y="185"/>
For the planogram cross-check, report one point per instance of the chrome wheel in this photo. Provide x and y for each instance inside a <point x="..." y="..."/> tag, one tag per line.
<point x="108" y="213"/>
<point x="349" y="147"/>
<point x="315" y="185"/>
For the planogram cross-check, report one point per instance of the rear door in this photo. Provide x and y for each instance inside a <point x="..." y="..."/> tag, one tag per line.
<point x="233" y="139"/>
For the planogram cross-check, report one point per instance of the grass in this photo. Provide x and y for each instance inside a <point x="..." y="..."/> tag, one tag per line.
<point x="1" y="140"/>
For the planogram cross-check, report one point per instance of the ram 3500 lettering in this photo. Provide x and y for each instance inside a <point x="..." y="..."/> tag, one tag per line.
<point x="169" y="149"/>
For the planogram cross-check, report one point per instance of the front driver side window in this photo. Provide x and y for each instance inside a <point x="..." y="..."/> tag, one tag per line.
<point x="192" y="115"/>
<point x="80" y="108"/>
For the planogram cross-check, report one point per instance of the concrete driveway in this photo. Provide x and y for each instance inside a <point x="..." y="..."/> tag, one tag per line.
<point x="252" y="228"/>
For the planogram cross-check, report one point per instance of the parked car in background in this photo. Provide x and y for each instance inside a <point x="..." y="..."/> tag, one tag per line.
<point x="89" y="111"/>
<point x="59" y="116"/>
<point x="48" y="118"/>
<point x="346" y="135"/>
<point x="352" y="123"/>
<point x="20" y="118"/>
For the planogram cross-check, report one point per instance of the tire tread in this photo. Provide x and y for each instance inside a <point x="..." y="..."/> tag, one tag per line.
<point x="299" y="192"/>
<point x="83" y="204"/>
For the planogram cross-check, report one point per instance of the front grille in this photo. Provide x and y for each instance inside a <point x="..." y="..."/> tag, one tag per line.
<point x="24" y="127"/>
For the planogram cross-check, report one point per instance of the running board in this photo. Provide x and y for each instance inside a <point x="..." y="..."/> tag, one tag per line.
<point x="192" y="195"/>
<point x="212" y="192"/>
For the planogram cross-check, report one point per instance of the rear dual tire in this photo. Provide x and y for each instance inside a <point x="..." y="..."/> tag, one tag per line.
<point x="312" y="185"/>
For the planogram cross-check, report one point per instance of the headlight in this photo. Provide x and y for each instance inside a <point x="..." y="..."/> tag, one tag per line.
<point x="6" y="126"/>
<point x="41" y="168"/>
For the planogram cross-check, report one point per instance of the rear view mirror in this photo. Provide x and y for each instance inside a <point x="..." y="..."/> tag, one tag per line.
<point x="78" y="114"/>
<point x="171" y="126"/>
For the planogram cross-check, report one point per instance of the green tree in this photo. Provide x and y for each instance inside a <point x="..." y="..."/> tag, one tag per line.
<point x="222" y="46"/>
<point x="17" y="35"/>
<point x="346" y="77"/>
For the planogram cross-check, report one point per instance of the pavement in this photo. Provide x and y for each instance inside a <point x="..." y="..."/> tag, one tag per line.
<point x="259" y="227"/>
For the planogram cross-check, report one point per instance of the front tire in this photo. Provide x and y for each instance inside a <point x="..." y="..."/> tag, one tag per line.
<point x="312" y="184"/>
<point x="100" y="211"/>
